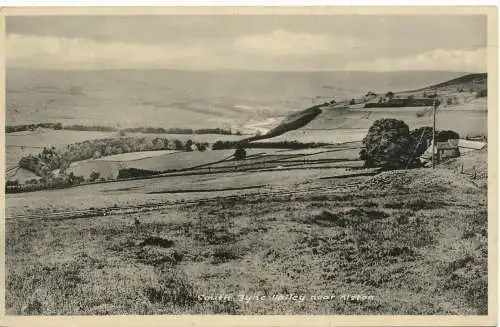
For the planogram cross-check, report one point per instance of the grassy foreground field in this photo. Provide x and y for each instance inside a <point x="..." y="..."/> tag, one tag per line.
<point x="405" y="242"/>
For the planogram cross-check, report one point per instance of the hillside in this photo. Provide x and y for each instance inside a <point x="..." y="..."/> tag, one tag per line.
<point x="467" y="114"/>
<point x="470" y="82"/>
<point x="414" y="241"/>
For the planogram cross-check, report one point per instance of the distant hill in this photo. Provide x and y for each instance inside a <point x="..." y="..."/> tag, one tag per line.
<point x="469" y="83"/>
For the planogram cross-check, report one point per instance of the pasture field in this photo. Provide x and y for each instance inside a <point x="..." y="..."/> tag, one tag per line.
<point x="107" y="169"/>
<point x="417" y="247"/>
<point x="49" y="137"/>
<point x="309" y="134"/>
<point x="137" y="155"/>
<point x="179" y="160"/>
<point x="466" y="118"/>
<point x="140" y="191"/>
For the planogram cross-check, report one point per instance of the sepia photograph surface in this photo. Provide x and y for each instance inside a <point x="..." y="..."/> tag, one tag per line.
<point x="248" y="164"/>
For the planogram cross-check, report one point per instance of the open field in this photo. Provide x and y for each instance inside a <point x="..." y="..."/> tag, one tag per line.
<point x="139" y="191"/>
<point x="137" y="155"/>
<point x="414" y="245"/>
<point x="180" y="160"/>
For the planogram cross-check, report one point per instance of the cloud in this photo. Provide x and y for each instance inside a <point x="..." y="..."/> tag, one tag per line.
<point x="285" y="43"/>
<point x="438" y="59"/>
<point x="51" y="51"/>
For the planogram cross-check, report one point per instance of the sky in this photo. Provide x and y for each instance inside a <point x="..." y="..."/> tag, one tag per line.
<point x="265" y="42"/>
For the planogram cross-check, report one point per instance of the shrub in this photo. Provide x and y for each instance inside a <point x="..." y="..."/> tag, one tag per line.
<point x="240" y="153"/>
<point x="443" y="136"/>
<point x="173" y="288"/>
<point x="223" y="254"/>
<point x="93" y="176"/>
<point x="482" y="93"/>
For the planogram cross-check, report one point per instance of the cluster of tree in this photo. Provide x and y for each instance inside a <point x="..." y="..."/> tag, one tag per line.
<point x="90" y="128"/>
<point x="45" y="162"/>
<point x="161" y="130"/>
<point x="240" y="153"/>
<point x="12" y="183"/>
<point x="135" y="173"/>
<point x="430" y="95"/>
<point x="97" y="128"/>
<point x="31" y="127"/>
<point x="292" y="122"/>
<point x="401" y="102"/>
<point x="482" y="94"/>
<point x="391" y="145"/>
<point x="47" y="182"/>
<point x="51" y="158"/>
<point x="224" y="145"/>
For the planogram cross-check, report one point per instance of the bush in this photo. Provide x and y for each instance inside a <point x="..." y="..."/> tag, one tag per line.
<point x="93" y="176"/>
<point x="482" y="94"/>
<point x="12" y="183"/>
<point x="240" y="153"/>
<point x="443" y="136"/>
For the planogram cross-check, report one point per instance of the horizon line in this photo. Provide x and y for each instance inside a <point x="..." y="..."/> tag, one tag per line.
<point x="239" y="70"/>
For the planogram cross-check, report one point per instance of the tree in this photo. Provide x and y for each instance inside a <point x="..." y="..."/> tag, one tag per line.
<point x="387" y="144"/>
<point x="420" y="140"/>
<point x="218" y="145"/>
<point x="158" y="144"/>
<point x="93" y="176"/>
<point x="352" y="102"/>
<point x="240" y="153"/>
<point x="189" y="144"/>
<point x="389" y="95"/>
<point x="71" y="178"/>
<point x="178" y="145"/>
<point x="12" y="183"/>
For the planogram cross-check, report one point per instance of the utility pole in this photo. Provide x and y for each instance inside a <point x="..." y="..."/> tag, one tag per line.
<point x="434" y="105"/>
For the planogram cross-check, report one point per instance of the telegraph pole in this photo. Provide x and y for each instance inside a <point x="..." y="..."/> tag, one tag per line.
<point x="434" y="105"/>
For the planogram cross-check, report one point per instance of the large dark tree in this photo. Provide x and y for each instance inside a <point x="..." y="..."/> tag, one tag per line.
<point x="388" y="145"/>
<point x="240" y="153"/>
